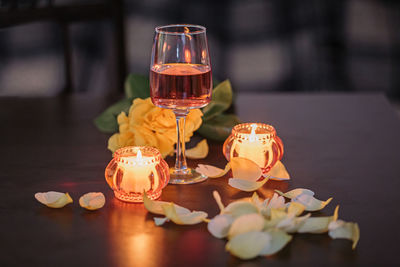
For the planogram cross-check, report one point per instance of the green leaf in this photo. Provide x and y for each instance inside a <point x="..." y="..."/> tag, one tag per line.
<point x="106" y="122"/>
<point x="137" y="86"/>
<point x="219" y="128"/>
<point x="221" y="101"/>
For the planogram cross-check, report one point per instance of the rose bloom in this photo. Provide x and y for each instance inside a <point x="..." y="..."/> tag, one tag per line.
<point x="148" y="125"/>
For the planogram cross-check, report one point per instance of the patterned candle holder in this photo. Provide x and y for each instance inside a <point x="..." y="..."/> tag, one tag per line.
<point x="255" y="141"/>
<point x="134" y="170"/>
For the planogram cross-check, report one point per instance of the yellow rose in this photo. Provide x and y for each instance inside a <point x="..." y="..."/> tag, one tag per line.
<point x="149" y="125"/>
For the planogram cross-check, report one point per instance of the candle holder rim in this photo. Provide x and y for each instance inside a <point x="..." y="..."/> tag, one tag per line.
<point x="128" y="151"/>
<point x="269" y="128"/>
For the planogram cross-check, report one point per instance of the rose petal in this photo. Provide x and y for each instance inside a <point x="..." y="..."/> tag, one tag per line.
<point x="278" y="172"/>
<point x="291" y="223"/>
<point x="211" y="171"/>
<point x="277" y="215"/>
<point x="310" y="202"/>
<point x="246" y="185"/>
<point x="347" y="230"/>
<point x="295" y="192"/>
<point x="276" y="202"/>
<point x="217" y="198"/>
<point x="279" y="239"/>
<point x="296" y="208"/>
<point x="160" y="221"/>
<point x="249" y="245"/>
<point x="245" y="169"/>
<point x="200" y="151"/>
<point x="239" y="208"/>
<point x="219" y="225"/>
<point x="190" y="218"/>
<point x="317" y="225"/>
<point x="246" y="223"/>
<point x="53" y="199"/>
<point x="155" y="206"/>
<point x="92" y="201"/>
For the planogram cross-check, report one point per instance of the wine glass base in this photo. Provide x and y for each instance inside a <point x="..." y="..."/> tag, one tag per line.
<point x="189" y="176"/>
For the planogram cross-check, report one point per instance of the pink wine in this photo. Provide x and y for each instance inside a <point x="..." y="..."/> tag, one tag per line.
<point x="180" y="85"/>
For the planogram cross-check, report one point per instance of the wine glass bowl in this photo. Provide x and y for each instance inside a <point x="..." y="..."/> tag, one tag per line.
<point x="180" y="80"/>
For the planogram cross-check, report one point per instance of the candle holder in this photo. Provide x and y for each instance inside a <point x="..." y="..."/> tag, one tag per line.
<point x="255" y="141"/>
<point x="134" y="170"/>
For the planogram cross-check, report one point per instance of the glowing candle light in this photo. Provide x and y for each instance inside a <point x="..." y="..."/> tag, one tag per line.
<point x="135" y="170"/>
<point x="255" y="141"/>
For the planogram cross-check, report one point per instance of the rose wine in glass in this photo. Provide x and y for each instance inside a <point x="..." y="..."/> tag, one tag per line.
<point x="180" y="79"/>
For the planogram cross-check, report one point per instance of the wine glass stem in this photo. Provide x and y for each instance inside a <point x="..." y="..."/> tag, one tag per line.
<point x="180" y="163"/>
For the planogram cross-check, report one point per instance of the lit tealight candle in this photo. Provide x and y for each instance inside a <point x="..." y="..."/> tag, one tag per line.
<point x="135" y="170"/>
<point x="255" y="141"/>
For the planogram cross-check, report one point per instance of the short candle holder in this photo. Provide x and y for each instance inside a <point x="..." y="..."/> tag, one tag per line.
<point x="134" y="170"/>
<point x="255" y="141"/>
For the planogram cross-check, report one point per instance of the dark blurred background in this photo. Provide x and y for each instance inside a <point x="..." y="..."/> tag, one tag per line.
<point x="48" y="47"/>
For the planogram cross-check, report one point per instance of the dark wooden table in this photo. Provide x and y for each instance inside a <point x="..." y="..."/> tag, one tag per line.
<point x="346" y="146"/>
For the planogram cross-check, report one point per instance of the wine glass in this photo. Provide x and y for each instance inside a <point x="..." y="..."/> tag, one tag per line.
<point x="180" y="79"/>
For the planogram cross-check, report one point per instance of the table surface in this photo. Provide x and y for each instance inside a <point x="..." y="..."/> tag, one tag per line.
<point x="341" y="145"/>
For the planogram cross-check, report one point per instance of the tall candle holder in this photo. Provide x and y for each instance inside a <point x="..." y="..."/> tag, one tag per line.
<point x="255" y="141"/>
<point x="134" y="170"/>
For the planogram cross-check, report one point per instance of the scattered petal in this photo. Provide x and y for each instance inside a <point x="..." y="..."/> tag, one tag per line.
<point x="54" y="199"/>
<point x="296" y="208"/>
<point x="217" y="198"/>
<point x="278" y="172"/>
<point x="246" y="223"/>
<point x="211" y="171"/>
<point x="190" y="218"/>
<point x="249" y="245"/>
<point x="276" y="202"/>
<point x="245" y="169"/>
<point x="295" y="192"/>
<point x="160" y="220"/>
<point x="92" y="201"/>
<point x="279" y="239"/>
<point x="291" y="223"/>
<point x="155" y="206"/>
<point x="246" y="185"/>
<point x="317" y="225"/>
<point x="219" y="225"/>
<point x="239" y="208"/>
<point x="347" y="230"/>
<point x="310" y="202"/>
<point x="200" y="151"/>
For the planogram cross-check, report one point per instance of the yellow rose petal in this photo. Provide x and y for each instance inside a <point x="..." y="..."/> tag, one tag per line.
<point x="276" y="202"/>
<point x="160" y="220"/>
<point x="211" y="171"/>
<point x="310" y="202"/>
<point x="279" y="239"/>
<point x="296" y="208"/>
<point x="54" y="199"/>
<point x="246" y="223"/>
<point x="278" y="172"/>
<point x="245" y="169"/>
<point x="346" y="230"/>
<point x="317" y="225"/>
<point x="113" y="142"/>
<point x="291" y="223"/>
<point x="295" y="192"/>
<point x="239" y="208"/>
<point x="217" y="198"/>
<point x="200" y="151"/>
<point x="219" y="225"/>
<point x="190" y="218"/>
<point x="246" y="185"/>
<point x="249" y="245"/>
<point x="155" y="206"/>
<point x="92" y="201"/>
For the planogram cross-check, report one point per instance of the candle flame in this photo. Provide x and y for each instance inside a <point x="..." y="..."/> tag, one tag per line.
<point x="139" y="155"/>
<point x="253" y="136"/>
<point x="188" y="56"/>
